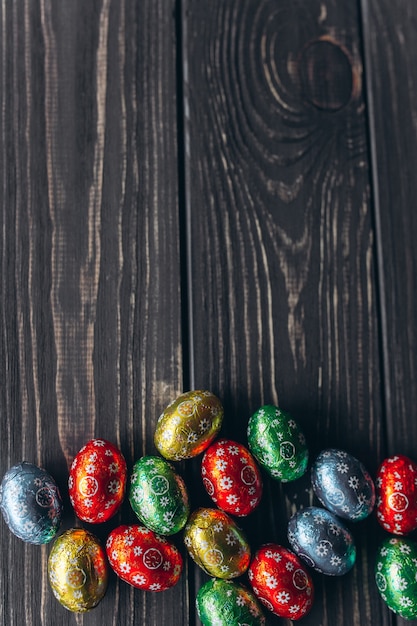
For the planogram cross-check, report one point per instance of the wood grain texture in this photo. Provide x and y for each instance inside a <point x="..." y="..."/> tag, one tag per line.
<point x="389" y="37"/>
<point x="90" y="283"/>
<point x="204" y="195"/>
<point x="389" y="43"/>
<point x="283" y="286"/>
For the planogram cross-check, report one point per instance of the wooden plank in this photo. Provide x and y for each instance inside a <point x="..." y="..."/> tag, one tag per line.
<point x="282" y="282"/>
<point x="90" y="267"/>
<point x="389" y="34"/>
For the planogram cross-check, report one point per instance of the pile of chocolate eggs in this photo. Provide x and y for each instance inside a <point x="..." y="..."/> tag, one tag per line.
<point x="278" y="577"/>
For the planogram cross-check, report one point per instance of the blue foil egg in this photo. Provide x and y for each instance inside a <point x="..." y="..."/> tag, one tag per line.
<point x="322" y="541"/>
<point x="343" y="485"/>
<point x="31" y="503"/>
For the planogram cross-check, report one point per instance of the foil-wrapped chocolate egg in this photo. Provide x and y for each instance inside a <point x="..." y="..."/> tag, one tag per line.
<point x="216" y="543"/>
<point x="321" y="540"/>
<point x="188" y="425"/>
<point x="97" y="481"/>
<point x="231" y="477"/>
<point x="225" y="603"/>
<point x="143" y="559"/>
<point x="77" y="570"/>
<point x="396" y="492"/>
<point x="31" y="503"/>
<point x="277" y="443"/>
<point x="158" y="495"/>
<point x="281" y="582"/>
<point x="343" y="485"/>
<point x="396" y="575"/>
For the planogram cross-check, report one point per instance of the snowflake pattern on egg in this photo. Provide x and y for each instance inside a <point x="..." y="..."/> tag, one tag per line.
<point x="343" y="485"/>
<point x="31" y="503"/>
<point x="396" y="575"/>
<point x="277" y="443"/>
<point x="222" y="602"/>
<point x="396" y="495"/>
<point x="143" y="559"/>
<point x="321" y="540"/>
<point x="158" y="495"/>
<point x="281" y="582"/>
<point x="97" y="481"/>
<point x="216" y="543"/>
<point x="188" y="425"/>
<point x="231" y="477"/>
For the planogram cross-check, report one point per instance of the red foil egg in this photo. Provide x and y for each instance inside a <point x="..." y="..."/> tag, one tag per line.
<point x="396" y="495"/>
<point x="143" y="559"/>
<point x="231" y="477"/>
<point x="281" y="582"/>
<point x="97" y="481"/>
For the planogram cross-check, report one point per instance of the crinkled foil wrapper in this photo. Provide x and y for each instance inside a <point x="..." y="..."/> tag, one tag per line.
<point x="216" y="543"/>
<point x="78" y="570"/>
<point x="31" y="503"/>
<point x="188" y="425"/>
<point x="277" y="443"/>
<point x="396" y="575"/>
<point x="227" y="603"/>
<point x="158" y="495"/>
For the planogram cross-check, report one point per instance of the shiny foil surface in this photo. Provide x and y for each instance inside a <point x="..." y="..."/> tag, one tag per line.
<point x="231" y="477"/>
<point x="143" y="559"/>
<point x="320" y="539"/>
<point x="30" y="503"/>
<point x="188" y="425"/>
<point x="77" y="570"/>
<point x="97" y="481"/>
<point x="158" y="495"/>
<point x="281" y="582"/>
<point x="277" y="443"/>
<point x="343" y="485"/>
<point x="396" y="491"/>
<point x="396" y="575"/>
<point x="216" y="543"/>
<point x="225" y="603"/>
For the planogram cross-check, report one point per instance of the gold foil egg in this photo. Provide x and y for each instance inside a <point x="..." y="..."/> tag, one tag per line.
<point x="188" y="425"/>
<point x="216" y="543"/>
<point x="78" y="570"/>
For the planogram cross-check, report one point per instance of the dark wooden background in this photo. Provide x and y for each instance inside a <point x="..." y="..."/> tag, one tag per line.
<point x="205" y="194"/>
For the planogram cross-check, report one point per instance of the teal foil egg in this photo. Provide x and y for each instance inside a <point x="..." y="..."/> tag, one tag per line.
<point x="322" y="541"/>
<point x="31" y="503"/>
<point x="224" y="603"/>
<point x="158" y="495"/>
<point x="277" y="443"/>
<point x="396" y="576"/>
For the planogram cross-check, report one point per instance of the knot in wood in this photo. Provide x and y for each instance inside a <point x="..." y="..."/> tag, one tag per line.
<point x="326" y="74"/>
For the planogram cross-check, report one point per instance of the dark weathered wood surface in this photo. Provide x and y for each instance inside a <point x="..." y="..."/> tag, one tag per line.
<point x="205" y="195"/>
<point x="282" y="248"/>
<point x="389" y="45"/>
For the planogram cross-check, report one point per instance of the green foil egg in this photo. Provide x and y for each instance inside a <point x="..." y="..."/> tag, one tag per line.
<point x="224" y="603"/>
<point x="158" y="495"/>
<point x="277" y="443"/>
<point x="396" y="576"/>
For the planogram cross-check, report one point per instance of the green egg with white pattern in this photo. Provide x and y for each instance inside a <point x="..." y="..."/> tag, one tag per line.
<point x="277" y="443"/>
<point x="158" y="495"/>
<point x="225" y="602"/>
<point x="396" y="575"/>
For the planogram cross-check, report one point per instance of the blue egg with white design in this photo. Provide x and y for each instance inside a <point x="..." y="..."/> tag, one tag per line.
<point x="343" y="485"/>
<point x="31" y="503"/>
<point x="322" y="541"/>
